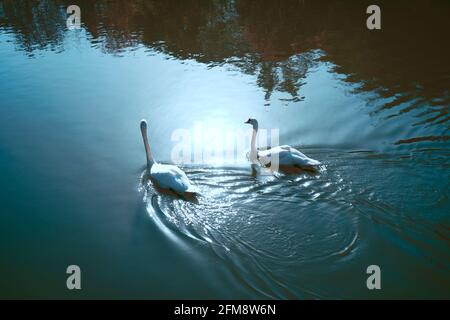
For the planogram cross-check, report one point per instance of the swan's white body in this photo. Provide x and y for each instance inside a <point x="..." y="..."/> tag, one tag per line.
<point x="171" y="177"/>
<point x="285" y="155"/>
<point x="165" y="176"/>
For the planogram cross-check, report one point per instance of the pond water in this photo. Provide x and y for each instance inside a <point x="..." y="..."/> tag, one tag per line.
<point x="372" y="106"/>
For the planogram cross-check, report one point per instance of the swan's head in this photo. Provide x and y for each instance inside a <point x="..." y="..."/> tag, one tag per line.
<point x="253" y="122"/>
<point x="143" y="125"/>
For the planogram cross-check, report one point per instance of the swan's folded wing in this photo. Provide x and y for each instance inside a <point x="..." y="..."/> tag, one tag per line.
<point x="278" y="154"/>
<point x="294" y="156"/>
<point x="286" y="155"/>
<point x="290" y="156"/>
<point x="300" y="159"/>
<point x="171" y="177"/>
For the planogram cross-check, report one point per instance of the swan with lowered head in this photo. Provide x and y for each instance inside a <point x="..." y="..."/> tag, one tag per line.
<point x="287" y="156"/>
<point x="166" y="177"/>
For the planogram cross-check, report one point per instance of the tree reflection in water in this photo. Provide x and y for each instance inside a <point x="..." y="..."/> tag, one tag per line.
<point x="406" y="63"/>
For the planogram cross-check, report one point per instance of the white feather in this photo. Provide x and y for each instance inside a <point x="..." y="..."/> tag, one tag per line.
<point x="171" y="177"/>
<point x="165" y="176"/>
<point x="287" y="156"/>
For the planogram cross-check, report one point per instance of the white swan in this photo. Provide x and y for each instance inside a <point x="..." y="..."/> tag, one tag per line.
<point x="166" y="177"/>
<point x="288" y="157"/>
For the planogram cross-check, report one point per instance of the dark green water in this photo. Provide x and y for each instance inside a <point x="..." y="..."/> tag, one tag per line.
<point x="372" y="106"/>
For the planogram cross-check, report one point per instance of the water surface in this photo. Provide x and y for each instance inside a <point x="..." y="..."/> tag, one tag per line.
<point x="372" y="106"/>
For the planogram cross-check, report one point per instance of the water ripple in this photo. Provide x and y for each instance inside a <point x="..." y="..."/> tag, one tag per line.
<point x="263" y="228"/>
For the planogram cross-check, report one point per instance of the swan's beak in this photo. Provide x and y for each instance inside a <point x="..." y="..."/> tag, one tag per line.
<point x="248" y="121"/>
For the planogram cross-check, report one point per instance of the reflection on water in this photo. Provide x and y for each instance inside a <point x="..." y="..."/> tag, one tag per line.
<point x="408" y="69"/>
<point x="264" y="246"/>
<point x="372" y="106"/>
<point x="276" y="232"/>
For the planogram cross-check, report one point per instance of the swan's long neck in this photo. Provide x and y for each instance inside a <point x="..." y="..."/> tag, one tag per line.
<point x="147" y="148"/>
<point x="253" y="151"/>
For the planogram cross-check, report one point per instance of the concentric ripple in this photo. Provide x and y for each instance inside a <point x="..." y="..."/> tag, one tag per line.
<point x="265" y="229"/>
